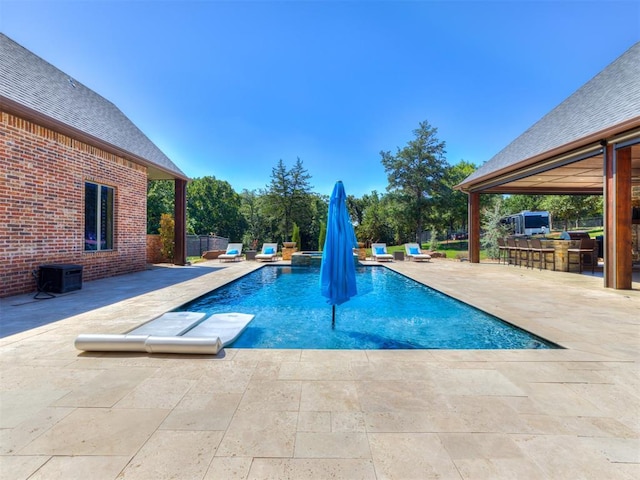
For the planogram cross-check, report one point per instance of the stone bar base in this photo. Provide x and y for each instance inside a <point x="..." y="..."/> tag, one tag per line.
<point x="561" y="255"/>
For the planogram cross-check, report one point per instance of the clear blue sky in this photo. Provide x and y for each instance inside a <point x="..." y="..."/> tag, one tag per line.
<point x="229" y="88"/>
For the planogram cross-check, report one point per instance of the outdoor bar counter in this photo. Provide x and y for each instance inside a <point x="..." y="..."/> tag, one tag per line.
<point x="560" y="247"/>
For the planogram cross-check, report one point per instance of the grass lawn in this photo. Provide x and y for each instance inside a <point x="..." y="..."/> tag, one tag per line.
<point x="193" y="260"/>
<point x="451" y="248"/>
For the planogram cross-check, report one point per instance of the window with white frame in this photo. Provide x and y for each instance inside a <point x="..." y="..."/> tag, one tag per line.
<point x="98" y="217"/>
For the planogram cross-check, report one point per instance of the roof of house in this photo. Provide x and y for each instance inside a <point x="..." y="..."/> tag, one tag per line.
<point x="608" y="100"/>
<point x="32" y="87"/>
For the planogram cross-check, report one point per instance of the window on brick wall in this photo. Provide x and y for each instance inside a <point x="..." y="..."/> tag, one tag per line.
<point x="98" y="217"/>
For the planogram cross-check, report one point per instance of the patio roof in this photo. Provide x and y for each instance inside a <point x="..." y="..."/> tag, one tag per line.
<point x="563" y="151"/>
<point x="35" y="90"/>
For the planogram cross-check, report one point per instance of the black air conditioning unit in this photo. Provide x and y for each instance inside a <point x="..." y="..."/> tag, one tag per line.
<point x="59" y="278"/>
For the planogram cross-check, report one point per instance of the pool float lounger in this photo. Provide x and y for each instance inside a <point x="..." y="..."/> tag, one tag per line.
<point x="202" y="346"/>
<point x="111" y="342"/>
<point x="226" y="326"/>
<point x="173" y="332"/>
<point x="170" y="324"/>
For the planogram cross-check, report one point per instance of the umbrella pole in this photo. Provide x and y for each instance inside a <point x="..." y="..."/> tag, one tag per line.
<point x="333" y="316"/>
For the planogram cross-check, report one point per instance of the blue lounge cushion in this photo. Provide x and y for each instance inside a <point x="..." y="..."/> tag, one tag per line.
<point x="269" y="251"/>
<point x="413" y="251"/>
<point x="232" y="252"/>
<point x="379" y="250"/>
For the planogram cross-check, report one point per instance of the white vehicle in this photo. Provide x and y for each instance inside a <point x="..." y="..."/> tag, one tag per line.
<point x="528" y="223"/>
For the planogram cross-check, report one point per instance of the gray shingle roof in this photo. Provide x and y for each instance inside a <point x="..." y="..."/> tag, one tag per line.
<point x="31" y="82"/>
<point x="610" y="98"/>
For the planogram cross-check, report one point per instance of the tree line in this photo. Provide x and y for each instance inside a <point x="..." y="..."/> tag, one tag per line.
<point x="419" y="197"/>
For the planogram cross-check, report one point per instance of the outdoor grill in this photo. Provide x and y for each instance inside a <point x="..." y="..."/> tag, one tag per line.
<point x="574" y="236"/>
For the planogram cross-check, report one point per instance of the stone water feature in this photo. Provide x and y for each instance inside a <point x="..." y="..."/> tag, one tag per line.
<point x="288" y="249"/>
<point x="311" y="259"/>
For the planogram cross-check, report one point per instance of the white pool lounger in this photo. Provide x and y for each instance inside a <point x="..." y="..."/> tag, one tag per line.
<point x="173" y="332"/>
<point x="226" y="326"/>
<point x="198" y="346"/>
<point x="171" y="324"/>
<point x="111" y="342"/>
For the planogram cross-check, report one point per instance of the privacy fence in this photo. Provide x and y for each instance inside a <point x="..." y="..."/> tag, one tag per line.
<point x="198" y="244"/>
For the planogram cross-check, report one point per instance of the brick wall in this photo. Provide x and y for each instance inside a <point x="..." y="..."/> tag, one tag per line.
<point x="154" y="244"/>
<point x="42" y="175"/>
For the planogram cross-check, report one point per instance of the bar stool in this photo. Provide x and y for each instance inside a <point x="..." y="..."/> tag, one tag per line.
<point x="512" y="251"/>
<point x="586" y="249"/>
<point x="523" y="247"/>
<point x="502" y="250"/>
<point x="536" y="247"/>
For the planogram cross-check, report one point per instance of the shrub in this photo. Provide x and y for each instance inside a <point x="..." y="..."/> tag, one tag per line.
<point x="167" y="242"/>
<point x="433" y="243"/>
<point x="493" y="229"/>
<point x="323" y="235"/>
<point x="295" y="237"/>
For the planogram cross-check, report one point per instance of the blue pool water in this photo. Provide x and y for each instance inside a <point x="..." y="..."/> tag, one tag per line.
<point x="390" y="311"/>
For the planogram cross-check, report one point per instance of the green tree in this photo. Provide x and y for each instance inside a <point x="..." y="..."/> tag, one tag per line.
<point x="375" y="221"/>
<point x="295" y="236"/>
<point x="399" y="219"/>
<point x="258" y="228"/>
<point x="214" y="207"/>
<point x="303" y="214"/>
<point x="568" y="209"/>
<point x="493" y="228"/>
<point x="322" y="236"/>
<point x="519" y="203"/>
<point x="416" y="173"/>
<point x="356" y="207"/>
<point x="318" y="207"/>
<point x="160" y="199"/>
<point x="451" y="211"/>
<point x="433" y="240"/>
<point x="288" y="197"/>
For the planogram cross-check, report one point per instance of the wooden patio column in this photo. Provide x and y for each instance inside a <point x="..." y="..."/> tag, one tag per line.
<point x="617" y="221"/>
<point x="474" y="227"/>
<point x="180" y="216"/>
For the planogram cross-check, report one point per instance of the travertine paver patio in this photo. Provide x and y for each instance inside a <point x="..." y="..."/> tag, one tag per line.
<point x="294" y="414"/>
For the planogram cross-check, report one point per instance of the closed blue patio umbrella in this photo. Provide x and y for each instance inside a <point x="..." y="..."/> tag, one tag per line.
<point x="337" y="270"/>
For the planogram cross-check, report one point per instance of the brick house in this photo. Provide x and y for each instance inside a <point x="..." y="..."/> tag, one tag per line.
<point x="73" y="177"/>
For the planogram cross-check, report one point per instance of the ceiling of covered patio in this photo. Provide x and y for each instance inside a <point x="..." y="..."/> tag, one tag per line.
<point x="580" y="177"/>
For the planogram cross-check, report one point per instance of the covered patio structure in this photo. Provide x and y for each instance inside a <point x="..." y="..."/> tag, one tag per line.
<point x="587" y="145"/>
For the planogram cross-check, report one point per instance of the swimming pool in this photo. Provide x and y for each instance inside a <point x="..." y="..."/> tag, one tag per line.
<point x="389" y="312"/>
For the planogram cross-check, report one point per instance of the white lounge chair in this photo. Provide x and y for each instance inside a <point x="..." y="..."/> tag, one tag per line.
<point x="379" y="252"/>
<point x="233" y="253"/>
<point x="413" y="252"/>
<point x="173" y="332"/>
<point x="268" y="253"/>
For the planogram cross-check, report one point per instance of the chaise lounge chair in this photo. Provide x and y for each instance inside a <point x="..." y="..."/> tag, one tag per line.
<point x="413" y="252"/>
<point x="379" y="252"/>
<point x="233" y="253"/>
<point x="268" y="253"/>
